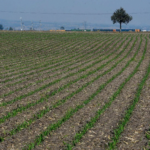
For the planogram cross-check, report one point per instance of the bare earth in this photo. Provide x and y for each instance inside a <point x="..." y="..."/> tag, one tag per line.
<point x="55" y="73"/>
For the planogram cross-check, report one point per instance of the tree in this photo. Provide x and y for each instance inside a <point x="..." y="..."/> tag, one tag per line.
<point x="120" y="16"/>
<point x="10" y="28"/>
<point x="1" y="27"/>
<point x="62" y="28"/>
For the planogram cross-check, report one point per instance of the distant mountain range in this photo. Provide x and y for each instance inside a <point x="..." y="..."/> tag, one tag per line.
<point x="16" y="24"/>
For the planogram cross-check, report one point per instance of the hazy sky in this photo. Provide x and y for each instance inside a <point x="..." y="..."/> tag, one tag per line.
<point x="74" y="6"/>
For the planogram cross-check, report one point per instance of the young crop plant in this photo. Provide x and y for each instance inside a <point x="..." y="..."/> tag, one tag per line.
<point x="45" y="64"/>
<point x="24" y="71"/>
<point x="43" y="112"/>
<point x="93" y="120"/>
<point x="71" y="112"/>
<point x="17" y="61"/>
<point x="93" y="52"/>
<point x="47" y="67"/>
<point x="84" y="44"/>
<point x="40" y="123"/>
<point x="125" y="120"/>
<point x="148" y="137"/>
<point x="58" y="80"/>
<point x="55" y="52"/>
<point x="18" y="81"/>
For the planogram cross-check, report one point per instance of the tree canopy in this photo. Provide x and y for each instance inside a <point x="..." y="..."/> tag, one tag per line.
<point x="10" y="28"/>
<point x="1" y="27"/>
<point x="120" y="16"/>
<point x="62" y="27"/>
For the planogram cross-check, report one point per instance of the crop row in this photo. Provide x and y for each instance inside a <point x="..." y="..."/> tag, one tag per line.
<point x="42" y="46"/>
<point x="124" y="121"/>
<point x="49" y="58"/>
<point x="57" y="65"/>
<point x="41" y="71"/>
<point x="23" y="47"/>
<point x="71" y="112"/>
<point x="40" y="114"/>
<point x="80" y="57"/>
<point x="58" y="80"/>
<point x="148" y="137"/>
<point x="58" y="43"/>
<point x="93" y="120"/>
<point x="43" y="57"/>
<point x="26" y="68"/>
<point x="36" y="49"/>
<point x="14" y="44"/>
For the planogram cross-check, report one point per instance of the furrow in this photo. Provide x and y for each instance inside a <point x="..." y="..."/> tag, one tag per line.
<point x="56" y="81"/>
<point x="45" y="69"/>
<point x="99" y="135"/>
<point x="105" y="71"/>
<point x="109" y="81"/>
<point x="44" y="77"/>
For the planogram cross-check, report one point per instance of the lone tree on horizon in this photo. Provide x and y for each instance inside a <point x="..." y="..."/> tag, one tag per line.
<point x="1" y="27"/>
<point x="121" y="16"/>
<point x="62" y="28"/>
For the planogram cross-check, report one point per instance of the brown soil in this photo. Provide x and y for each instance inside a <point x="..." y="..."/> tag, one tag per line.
<point x="45" y="60"/>
<point x="70" y="103"/>
<point x="67" y="131"/>
<point x="41" y="73"/>
<point x="38" y="95"/>
<point x="57" y="97"/>
<point x="99" y="136"/>
<point x="134" y="133"/>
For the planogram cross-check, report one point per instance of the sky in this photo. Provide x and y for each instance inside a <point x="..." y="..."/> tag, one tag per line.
<point x="82" y="10"/>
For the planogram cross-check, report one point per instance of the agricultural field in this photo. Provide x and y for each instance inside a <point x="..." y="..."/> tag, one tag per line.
<point x="74" y="91"/>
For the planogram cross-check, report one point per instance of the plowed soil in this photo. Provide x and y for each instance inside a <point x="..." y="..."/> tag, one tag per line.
<point x="48" y="77"/>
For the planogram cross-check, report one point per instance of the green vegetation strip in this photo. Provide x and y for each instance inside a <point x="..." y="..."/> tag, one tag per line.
<point x="27" y="60"/>
<point x="148" y="137"/>
<point x="62" y="41"/>
<point x="45" y="64"/>
<point x="60" y="65"/>
<point x="36" y="49"/>
<point x="16" y="65"/>
<point x="39" y="66"/>
<point x="30" y="49"/>
<point x="47" y="48"/>
<point x="71" y="112"/>
<point x="45" y="57"/>
<point x="56" y="52"/>
<point x="23" y="108"/>
<point x="93" y="120"/>
<point x="56" y="81"/>
<point x="41" y="113"/>
<point x="40" y="71"/>
<point x="50" y="38"/>
<point x="39" y="81"/>
<point x="51" y="67"/>
<point x="125" y="120"/>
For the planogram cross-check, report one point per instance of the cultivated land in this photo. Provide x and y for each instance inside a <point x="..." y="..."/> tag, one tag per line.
<point x="74" y="91"/>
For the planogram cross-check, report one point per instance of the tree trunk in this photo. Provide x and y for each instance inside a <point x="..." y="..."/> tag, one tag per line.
<point x="120" y="27"/>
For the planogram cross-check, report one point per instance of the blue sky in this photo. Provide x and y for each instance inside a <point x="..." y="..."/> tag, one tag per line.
<point x="74" y="6"/>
